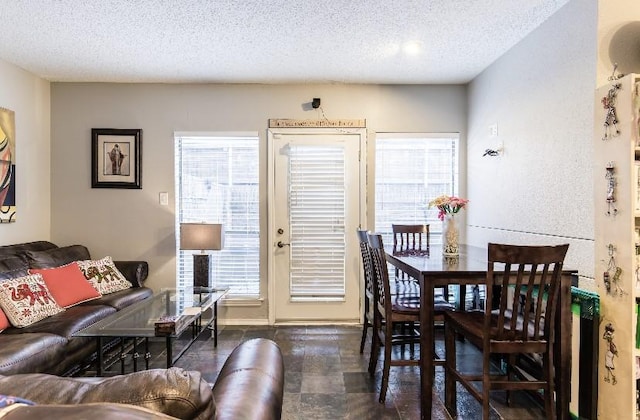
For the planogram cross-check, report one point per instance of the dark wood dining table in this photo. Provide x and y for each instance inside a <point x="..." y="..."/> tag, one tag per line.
<point x="433" y="270"/>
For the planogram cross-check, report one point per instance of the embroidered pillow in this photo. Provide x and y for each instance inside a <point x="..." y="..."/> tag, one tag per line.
<point x="26" y="300"/>
<point x="104" y="276"/>
<point x="67" y="284"/>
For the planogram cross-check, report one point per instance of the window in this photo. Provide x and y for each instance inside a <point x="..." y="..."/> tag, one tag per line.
<point x="411" y="169"/>
<point x="217" y="182"/>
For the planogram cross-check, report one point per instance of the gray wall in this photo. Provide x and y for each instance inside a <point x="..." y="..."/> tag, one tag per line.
<point x="28" y="96"/>
<point x="130" y="224"/>
<point x="540" y="94"/>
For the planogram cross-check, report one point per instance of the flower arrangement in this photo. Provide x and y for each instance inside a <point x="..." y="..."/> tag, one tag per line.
<point x="448" y="205"/>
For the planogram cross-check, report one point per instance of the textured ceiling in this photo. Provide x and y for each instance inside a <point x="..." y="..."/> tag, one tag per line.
<point x="264" y="41"/>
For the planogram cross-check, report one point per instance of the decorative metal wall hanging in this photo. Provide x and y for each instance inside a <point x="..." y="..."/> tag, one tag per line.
<point x="611" y="118"/>
<point x="612" y="274"/>
<point x="611" y="186"/>
<point x="612" y="351"/>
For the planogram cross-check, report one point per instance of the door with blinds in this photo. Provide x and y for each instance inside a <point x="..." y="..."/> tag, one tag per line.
<point x="316" y="193"/>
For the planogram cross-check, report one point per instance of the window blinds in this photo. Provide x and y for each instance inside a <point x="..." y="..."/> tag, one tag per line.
<point x="217" y="182"/>
<point x="411" y="170"/>
<point x="317" y="221"/>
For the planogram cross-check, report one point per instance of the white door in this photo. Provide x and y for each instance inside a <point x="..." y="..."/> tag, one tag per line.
<point x="315" y="192"/>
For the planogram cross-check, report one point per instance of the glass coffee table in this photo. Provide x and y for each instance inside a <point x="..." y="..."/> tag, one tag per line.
<point x="175" y="315"/>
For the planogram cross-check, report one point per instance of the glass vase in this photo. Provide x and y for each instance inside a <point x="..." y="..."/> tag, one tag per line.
<point x="450" y="236"/>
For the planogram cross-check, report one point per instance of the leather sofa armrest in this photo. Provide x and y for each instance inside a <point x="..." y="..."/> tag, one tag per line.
<point x="255" y="371"/>
<point x="174" y="391"/>
<point x="134" y="271"/>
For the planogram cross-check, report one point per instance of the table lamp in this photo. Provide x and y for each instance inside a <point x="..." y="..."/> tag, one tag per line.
<point x="202" y="236"/>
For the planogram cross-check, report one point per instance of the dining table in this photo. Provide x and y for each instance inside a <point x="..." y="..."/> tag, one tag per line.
<point x="434" y="270"/>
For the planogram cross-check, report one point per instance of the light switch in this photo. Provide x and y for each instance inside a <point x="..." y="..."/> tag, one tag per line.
<point x="493" y="130"/>
<point x="164" y="198"/>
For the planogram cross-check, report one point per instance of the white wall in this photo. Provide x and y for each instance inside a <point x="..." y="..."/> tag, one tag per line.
<point x="540" y="94"/>
<point x="28" y="96"/>
<point x="130" y="224"/>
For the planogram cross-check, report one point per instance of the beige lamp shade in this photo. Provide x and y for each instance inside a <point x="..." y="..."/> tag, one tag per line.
<point x="202" y="236"/>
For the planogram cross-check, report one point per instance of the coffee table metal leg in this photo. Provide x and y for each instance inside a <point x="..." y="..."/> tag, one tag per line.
<point x="135" y="354"/>
<point x="99" y="356"/>
<point x="215" y="324"/>
<point x="123" y="355"/>
<point x="169" y="353"/>
<point x="147" y="354"/>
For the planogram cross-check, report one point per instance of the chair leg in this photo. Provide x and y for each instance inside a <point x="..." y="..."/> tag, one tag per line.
<point x="365" y="326"/>
<point x="387" y="360"/>
<point x="412" y="347"/>
<point x="375" y="350"/>
<point x="450" y="396"/>
<point x="549" y="402"/>
<point x="486" y="387"/>
<point x="511" y="362"/>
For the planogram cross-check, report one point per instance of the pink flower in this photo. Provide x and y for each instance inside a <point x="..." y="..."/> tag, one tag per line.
<point x="448" y="205"/>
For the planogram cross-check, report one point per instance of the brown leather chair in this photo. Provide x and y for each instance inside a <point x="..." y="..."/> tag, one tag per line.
<point x="522" y="323"/>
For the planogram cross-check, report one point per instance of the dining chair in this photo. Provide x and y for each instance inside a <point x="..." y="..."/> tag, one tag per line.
<point x="410" y="239"/>
<point x="523" y="282"/>
<point x="367" y="267"/>
<point x="390" y="310"/>
<point x="369" y="298"/>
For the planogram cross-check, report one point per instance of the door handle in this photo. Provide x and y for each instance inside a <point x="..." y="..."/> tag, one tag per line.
<point x="281" y="244"/>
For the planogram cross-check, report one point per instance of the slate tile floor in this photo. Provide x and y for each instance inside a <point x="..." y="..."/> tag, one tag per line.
<point x="326" y="377"/>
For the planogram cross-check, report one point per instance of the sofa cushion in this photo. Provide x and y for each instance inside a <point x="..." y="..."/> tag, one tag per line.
<point x="123" y="298"/>
<point x="67" y="284"/>
<point x="8" y="275"/>
<point x="56" y="257"/>
<point x="84" y="411"/>
<point x="20" y="249"/>
<point x="30" y="353"/>
<point x="13" y="263"/>
<point x="67" y="323"/>
<point x="26" y="300"/>
<point x="104" y="276"/>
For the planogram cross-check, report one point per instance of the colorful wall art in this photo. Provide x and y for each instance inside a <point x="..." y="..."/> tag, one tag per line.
<point x="7" y="166"/>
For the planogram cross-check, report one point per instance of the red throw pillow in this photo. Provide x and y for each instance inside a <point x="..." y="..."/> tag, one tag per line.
<point x="4" y="322"/>
<point x="67" y="284"/>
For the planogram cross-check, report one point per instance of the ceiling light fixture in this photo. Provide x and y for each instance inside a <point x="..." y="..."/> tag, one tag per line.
<point x="412" y="48"/>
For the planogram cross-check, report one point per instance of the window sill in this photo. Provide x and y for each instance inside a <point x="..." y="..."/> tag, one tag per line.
<point x="231" y="301"/>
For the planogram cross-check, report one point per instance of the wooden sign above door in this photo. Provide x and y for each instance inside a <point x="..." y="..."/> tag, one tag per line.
<point x="324" y="123"/>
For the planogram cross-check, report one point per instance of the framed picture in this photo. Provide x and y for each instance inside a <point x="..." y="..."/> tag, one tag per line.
<point x="116" y="158"/>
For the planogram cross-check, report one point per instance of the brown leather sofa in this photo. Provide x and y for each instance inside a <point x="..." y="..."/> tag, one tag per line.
<point x="48" y="346"/>
<point x="250" y="386"/>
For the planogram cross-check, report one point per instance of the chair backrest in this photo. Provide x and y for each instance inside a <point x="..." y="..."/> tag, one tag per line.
<point x="410" y="238"/>
<point x="367" y="263"/>
<point x="382" y="287"/>
<point x="527" y="279"/>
